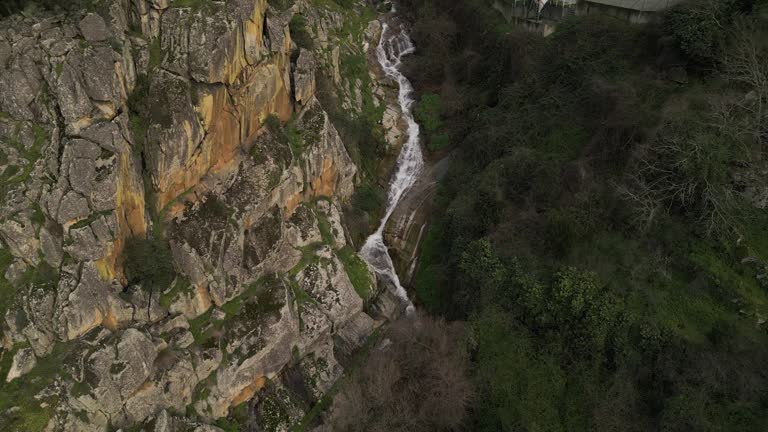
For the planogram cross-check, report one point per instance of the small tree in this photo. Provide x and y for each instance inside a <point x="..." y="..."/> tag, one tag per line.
<point x="698" y="28"/>
<point x="148" y="263"/>
<point x="299" y="32"/>
<point x="428" y="112"/>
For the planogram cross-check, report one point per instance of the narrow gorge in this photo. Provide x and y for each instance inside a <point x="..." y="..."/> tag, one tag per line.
<point x="394" y="45"/>
<point x="383" y="216"/>
<point x="179" y="181"/>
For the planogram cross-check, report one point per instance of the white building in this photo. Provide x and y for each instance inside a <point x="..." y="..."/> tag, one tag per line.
<point x="543" y="15"/>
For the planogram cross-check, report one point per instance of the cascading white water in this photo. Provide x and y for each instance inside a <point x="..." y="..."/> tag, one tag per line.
<point x="410" y="162"/>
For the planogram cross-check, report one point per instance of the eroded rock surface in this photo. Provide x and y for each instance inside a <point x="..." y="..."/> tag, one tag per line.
<point x="143" y="119"/>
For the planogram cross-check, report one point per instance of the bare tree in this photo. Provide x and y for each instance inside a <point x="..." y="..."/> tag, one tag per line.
<point x="746" y="62"/>
<point x="692" y="163"/>
<point x="688" y="166"/>
<point x="416" y="380"/>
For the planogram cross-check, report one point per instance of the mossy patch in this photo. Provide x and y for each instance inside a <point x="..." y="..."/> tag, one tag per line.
<point x="201" y="220"/>
<point x="260" y="300"/>
<point x="181" y="286"/>
<point x="28" y="413"/>
<point x="357" y="271"/>
<point x="15" y="175"/>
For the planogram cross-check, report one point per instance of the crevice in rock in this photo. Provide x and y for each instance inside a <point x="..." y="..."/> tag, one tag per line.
<point x="177" y="75"/>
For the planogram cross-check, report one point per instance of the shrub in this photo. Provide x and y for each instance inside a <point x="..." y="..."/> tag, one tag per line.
<point x="428" y="112"/>
<point x="272" y="122"/>
<point x="42" y="276"/>
<point x="155" y="54"/>
<point x="687" y="169"/>
<point x="698" y="28"/>
<point x="37" y="217"/>
<point x="368" y="198"/>
<point x="148" y="262"/>
<point x="438" y="142"/>
<point x="139" y="109"/>
<point x="295" y="139"/>
<point x="299" y="33"/>
<point x="357" y="271"/>
<point x="214" y="209"/>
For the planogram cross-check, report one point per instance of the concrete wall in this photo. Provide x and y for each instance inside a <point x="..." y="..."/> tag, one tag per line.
<point x="526" y="15"/>
<point x="632" y="16"/>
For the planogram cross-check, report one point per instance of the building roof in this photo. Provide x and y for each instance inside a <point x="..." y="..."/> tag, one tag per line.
<point x="639" y="5"/>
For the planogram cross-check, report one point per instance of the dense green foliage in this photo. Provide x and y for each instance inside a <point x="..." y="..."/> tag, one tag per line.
<point x="357" y="271"/>
<point x="299" y="33"/>
<point x="428" y="113"/>
<point x="593" y="228"/>
<point x="20" y="410"/>
<point x="148" y="262"/>
<point x="13" y="175"/>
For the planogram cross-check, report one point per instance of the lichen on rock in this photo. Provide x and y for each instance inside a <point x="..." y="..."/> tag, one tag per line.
<point x="147" y="119"/>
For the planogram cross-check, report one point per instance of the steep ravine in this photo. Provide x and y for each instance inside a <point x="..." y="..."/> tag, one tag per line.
<point x="393" y="46"/>
<point x="392" y="250"/>
<point x="193" y="126"/>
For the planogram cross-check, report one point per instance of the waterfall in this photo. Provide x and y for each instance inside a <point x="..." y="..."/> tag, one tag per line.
<point x="410" y="162"/>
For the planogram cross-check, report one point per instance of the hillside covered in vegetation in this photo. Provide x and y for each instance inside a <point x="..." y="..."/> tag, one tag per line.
<point x="602" y="226"/>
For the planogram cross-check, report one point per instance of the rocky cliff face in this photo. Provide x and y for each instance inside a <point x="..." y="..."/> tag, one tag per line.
<point x="135" y="118"/>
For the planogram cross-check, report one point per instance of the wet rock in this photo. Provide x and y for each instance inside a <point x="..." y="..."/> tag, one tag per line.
<point x="387" y="305"/>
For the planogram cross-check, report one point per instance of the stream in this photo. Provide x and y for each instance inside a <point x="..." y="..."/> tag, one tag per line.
<point x="393" y="46"/>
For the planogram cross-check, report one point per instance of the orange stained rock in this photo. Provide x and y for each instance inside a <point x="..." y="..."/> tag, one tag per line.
<point x="129" y="214"/>
<point x="230" y="115"/>
<point x="203" y="296"/>
<point x="322" y="185"/>
<point x="110" y="321"/>
<point x="249" y="391"/>
<point x="325" y="184"/>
